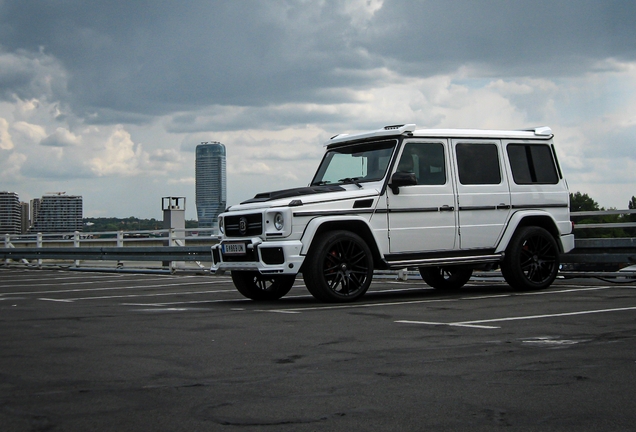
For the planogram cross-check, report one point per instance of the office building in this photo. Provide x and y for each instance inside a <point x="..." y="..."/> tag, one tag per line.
<point x="59" y="213"/>
<point x="211" y="192"/>
<point x="10" y="213"/>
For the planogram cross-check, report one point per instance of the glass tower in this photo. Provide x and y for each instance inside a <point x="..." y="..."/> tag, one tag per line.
<point x="211" y="195"/>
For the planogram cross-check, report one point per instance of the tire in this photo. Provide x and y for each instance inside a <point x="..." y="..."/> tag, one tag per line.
<point x="449" y="278"/>
<point x="532" y="259"/>
<point x="256" y="286"/>
<point x="339" y="267"/>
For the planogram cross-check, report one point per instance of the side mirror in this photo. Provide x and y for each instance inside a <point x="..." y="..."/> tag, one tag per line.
<point x="401" y="179"/>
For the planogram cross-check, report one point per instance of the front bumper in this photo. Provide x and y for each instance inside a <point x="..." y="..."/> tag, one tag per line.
<point x="271" y="257"/>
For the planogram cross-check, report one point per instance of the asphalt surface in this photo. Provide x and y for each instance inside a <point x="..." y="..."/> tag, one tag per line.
<point x="117" y="352"/>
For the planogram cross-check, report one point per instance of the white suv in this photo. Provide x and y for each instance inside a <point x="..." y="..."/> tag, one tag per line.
<point x="445" y="201"/>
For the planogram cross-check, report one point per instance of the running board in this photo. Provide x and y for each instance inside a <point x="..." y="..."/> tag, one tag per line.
<point x="430" y="262"/>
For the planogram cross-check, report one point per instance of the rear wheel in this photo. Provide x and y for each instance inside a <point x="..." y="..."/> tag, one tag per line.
<point x="532" y="259"/>
<point x="339" y="267"/>
<point x="256" y="286"/>
<point x="449" y="278"/>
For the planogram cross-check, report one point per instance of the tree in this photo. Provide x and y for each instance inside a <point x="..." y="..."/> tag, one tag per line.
<point x="582" y="202"/>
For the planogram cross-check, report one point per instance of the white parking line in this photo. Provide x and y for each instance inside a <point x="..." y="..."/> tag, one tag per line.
<point x="519" y="318"/>
<point x="140" y="295"/>
<point x="112" y="288"/>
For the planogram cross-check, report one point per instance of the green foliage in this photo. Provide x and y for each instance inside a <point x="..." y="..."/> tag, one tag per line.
<point x="583" y="202"/>
<point x="127" y="224"/>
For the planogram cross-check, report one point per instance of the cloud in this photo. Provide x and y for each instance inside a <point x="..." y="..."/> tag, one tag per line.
<point x="5" y="137"/>
<point x="61" y="138"/>
<point x="30" y="74"/>
<point x="118" y="156"/>
<point x="29" y="132"/>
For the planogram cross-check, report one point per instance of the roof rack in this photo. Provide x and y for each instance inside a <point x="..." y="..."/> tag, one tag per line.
<point x="385" y="131"/>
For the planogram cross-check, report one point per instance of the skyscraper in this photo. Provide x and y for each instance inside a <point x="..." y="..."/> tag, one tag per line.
<point x="211" y="195"/>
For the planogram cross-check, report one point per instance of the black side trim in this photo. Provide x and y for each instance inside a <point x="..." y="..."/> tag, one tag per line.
<point x="333" y="212"/>
<point x="535" y="206"/>
<point x="475" y="208"/>
<point x="415" y="210"/>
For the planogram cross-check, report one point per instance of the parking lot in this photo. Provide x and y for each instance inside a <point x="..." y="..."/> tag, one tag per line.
<point x="113" y="351"/>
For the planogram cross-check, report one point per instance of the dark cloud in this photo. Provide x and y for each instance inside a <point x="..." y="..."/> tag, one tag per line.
<point x="130" y="61"/>
<point x="524" y="37"/>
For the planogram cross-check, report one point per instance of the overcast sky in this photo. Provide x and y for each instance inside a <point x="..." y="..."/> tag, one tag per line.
<point x="108" y="99"/>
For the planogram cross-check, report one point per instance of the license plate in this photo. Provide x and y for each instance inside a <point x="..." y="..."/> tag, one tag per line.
<point x="234" y="248"/>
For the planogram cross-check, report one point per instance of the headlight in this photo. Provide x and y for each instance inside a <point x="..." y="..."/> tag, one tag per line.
<point x="221" y="227"/>
<point x="279" y="221"/>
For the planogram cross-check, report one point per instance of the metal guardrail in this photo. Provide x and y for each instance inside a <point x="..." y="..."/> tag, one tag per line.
<point x="175" y="247"/>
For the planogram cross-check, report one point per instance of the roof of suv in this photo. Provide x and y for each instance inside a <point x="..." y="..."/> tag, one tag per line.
<point x="542" y="132"/>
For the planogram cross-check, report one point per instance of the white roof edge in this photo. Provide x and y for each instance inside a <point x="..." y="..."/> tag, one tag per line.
<point x="536" y="132"/>
<point x="385" y="131"/>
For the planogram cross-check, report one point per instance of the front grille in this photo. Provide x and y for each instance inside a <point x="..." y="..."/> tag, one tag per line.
<point x="254" y="225"/>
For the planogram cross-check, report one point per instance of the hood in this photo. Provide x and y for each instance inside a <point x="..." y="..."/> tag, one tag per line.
<point x="290" y="193"/>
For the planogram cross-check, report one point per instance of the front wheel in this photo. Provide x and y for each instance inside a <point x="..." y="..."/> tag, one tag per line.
<point x="446" y="278"/>
<point x="256" y="286"/>
<point x="532" y="259"/>
<point x="339" y="267"/>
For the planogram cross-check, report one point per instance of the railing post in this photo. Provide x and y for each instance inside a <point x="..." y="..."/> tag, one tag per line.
<point x="76" y="243"/>
<point x="38" y="244"/>
<point x="7" y="245"/>
<point x="120" y="239"/>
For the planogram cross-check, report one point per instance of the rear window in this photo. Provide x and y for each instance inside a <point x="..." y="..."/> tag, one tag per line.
<point x="478" y="164"/>
<point x="532" y="163"/>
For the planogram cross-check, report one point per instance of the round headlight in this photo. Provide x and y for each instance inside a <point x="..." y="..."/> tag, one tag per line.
<point x="279" y="221"/>
<point x="221" y="227"/>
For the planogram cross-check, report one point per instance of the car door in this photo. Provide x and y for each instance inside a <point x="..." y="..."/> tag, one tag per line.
<point x="483" y="192"/>
<point x="422" y="217"/>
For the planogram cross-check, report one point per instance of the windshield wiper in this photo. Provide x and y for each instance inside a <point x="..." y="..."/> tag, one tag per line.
<point x="320" y="183"/>
<point x="353" y="180"/>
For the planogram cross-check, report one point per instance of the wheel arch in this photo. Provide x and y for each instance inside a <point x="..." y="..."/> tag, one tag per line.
<point x="523" y="219"/>
<point x="319" y="226"/>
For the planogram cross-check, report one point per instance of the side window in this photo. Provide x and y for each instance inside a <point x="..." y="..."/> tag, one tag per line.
<point x="426" y="161"/>
<point x="532" y="164"/>
<point x="478" y="164"/>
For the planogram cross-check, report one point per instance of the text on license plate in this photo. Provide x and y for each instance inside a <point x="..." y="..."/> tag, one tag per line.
<point x="234" y="248"/>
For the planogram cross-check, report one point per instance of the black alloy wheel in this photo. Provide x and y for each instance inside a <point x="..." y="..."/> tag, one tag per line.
<point x="532" y="259"/>
<point x="256" y="286"/>
<point x="339" y="267"/>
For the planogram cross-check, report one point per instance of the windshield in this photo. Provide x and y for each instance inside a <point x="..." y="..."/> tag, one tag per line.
<point x="355" y="163"/>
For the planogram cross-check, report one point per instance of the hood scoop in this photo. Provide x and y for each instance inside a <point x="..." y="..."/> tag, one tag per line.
<point x="289" y="193"/>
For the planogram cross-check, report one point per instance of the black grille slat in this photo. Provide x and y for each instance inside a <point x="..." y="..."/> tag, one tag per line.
<point x="254" y="225"/>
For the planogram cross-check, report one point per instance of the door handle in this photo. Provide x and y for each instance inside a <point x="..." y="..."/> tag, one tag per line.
<point x="446" y="208"/>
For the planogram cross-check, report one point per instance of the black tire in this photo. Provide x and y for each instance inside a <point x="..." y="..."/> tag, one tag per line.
<point x="532" y="259"/>
<point x="449" y="278"/>
<point x="339" y="267"/>
<point x="256" y="286"/>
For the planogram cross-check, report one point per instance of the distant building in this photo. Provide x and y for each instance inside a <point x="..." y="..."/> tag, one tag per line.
<point x="58" y="213"/>
<point x="10" y="216"/>
<point x="211" y="191"/>
<point x="35" y="209"/>
<point x="25" y="221"/>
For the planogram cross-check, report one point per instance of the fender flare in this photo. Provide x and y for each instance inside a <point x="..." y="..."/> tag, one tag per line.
<point x="338" y="222"/>
<point x="522" y="218"/>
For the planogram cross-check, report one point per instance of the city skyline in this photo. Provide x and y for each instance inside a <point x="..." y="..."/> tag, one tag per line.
<point x="110" y="99"/>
